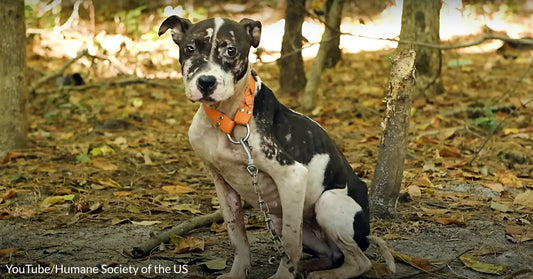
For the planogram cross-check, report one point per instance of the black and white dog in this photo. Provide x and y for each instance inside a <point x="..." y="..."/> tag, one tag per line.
<point x="315" y="199"/>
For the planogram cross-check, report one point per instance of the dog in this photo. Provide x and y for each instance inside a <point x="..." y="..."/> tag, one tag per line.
<point x="317" y="204"/>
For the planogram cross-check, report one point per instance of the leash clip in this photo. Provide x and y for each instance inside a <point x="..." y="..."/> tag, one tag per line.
<point x="245" y="138"/>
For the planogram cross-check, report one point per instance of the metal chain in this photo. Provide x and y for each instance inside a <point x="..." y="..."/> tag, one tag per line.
<point x="263" y="206"/>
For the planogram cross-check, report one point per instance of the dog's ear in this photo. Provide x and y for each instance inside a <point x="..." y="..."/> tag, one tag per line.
<point x="253" y="29"/>
<point x="177" y="25"/>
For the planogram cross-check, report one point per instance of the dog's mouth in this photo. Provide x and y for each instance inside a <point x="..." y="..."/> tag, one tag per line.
<point x="204" y="99"/>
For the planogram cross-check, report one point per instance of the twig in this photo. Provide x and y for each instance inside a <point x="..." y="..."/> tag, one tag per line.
<point x="181" y="229"/>
<point x="57" y="73"/>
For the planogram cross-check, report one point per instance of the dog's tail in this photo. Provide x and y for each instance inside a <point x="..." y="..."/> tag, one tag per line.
<point x="385" y="252"/>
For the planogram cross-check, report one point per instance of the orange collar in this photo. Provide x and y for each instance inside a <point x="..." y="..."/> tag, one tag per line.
<point x="243" y="114"/>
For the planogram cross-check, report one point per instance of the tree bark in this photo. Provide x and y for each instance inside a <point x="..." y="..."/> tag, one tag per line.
<point x="388" y="175"/>
<point x="291" y="66"/>
<point x="421" y="22"/>
<point x="333" y="18"/>
<point x="13" y="122"/>
<point x="334" y="52"/>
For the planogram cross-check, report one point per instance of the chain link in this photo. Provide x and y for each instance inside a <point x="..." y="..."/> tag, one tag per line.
<point x="263" y="206"/>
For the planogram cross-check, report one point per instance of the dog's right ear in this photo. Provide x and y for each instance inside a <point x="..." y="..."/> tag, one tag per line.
<point x="177" y="25"/>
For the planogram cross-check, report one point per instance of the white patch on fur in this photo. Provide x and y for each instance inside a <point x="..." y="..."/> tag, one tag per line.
<point x="218" y="22"/>
<point x="288" y="137"/>
<point x="316" y="170"/>
<point x="327" y="211"/>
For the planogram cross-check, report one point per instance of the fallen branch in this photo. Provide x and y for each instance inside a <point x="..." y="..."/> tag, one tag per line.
<point x="57" y="73"/>
<point x="181" y="229"/>
<point x="107" y="84"/>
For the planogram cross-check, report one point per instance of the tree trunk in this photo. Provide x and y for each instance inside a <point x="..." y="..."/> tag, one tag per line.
<point x="388" y="175"/>
<point x="13" y="122"/>
<point x="292" y="75"/>
<point x="334" y="52"/>
<point x="333" y="18"/>
<point x="421" y="23"/>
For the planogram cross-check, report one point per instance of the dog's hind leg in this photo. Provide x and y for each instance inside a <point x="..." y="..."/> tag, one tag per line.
<point x="335" y="213"/>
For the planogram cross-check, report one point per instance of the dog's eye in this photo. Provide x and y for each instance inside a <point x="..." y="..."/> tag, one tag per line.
<point x="231" y="51"/>
<point x="189" y="49"/>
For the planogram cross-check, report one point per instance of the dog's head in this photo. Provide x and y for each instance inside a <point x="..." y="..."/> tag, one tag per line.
<point x="213" y="54"/>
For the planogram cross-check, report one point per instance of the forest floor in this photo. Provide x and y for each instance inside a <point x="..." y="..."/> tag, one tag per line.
<point x="110" y="164"/>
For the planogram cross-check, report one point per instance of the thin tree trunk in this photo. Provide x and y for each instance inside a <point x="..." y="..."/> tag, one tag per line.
<point x="292" y="75"/>
<point x="421" y="22"/>
<point x="333" y="18"/>
<point x="388" y="175"/>
<point x="334" y="52"/>
<point x="13" y="122"/>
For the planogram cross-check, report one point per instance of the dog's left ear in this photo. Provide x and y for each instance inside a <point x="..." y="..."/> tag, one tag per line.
<point x="253" y="29"/>
<point x="177" y="25"/>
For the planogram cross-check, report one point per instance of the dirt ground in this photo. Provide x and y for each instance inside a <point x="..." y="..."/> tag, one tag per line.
<point x="110" y="164"/>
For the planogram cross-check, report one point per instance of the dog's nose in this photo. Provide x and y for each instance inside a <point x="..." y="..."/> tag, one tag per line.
<point x="206" y="84"/>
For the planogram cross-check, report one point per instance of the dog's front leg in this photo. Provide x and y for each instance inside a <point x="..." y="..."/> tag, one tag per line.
<point x="291" y="182"/>
<point x="230" y="203"/>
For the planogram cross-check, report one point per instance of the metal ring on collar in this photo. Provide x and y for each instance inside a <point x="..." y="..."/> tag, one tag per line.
<point x="245" y="138"/>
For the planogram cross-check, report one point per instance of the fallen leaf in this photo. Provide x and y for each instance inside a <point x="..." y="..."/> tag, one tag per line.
<point x="519" y="233"/>
<point x="108" y="182"/>
<point x="422" y="263"/>
<point x="473" y="263"/>
<point x="494" y="186"/>
<point x="510" y="131"/>
<point x="145" y="223"/>
<point x="49" y="201"/>
<point x="83" y="158"/>
<point x="11" y="156"/>
<point x="215" y="265"/>
<point x="133" y="209"/>
<point x="46" y="167"/>
<point x="508" y="179"/>
<point x="453" y="164"/>
<point x="116" y="221"/>
<point x="101" y="150"/>
<point x="446" y="133"/>
<point x="121" y="193"/>
<point x="501" y="206"/>
<point x="516" y="102"/>
<point x="450" y="221"/>
<point x="414" y="191"/>
<point x="177" y="189"/>
<point x="218" y="227"/>
<point x="187" y="207"/>
<point x="525" y="199"/>
<point x="450" y="151"/>
<point x="190" y="244"/>
<point x="423" y="179"/>
<point x="8" y="252"/>
<point x="103" y="164"/>
<point x="8" y="195"/>
<point x="434" y="211"/>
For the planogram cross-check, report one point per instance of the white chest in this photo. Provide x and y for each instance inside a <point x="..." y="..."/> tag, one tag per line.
<point x="229" y="160"/>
